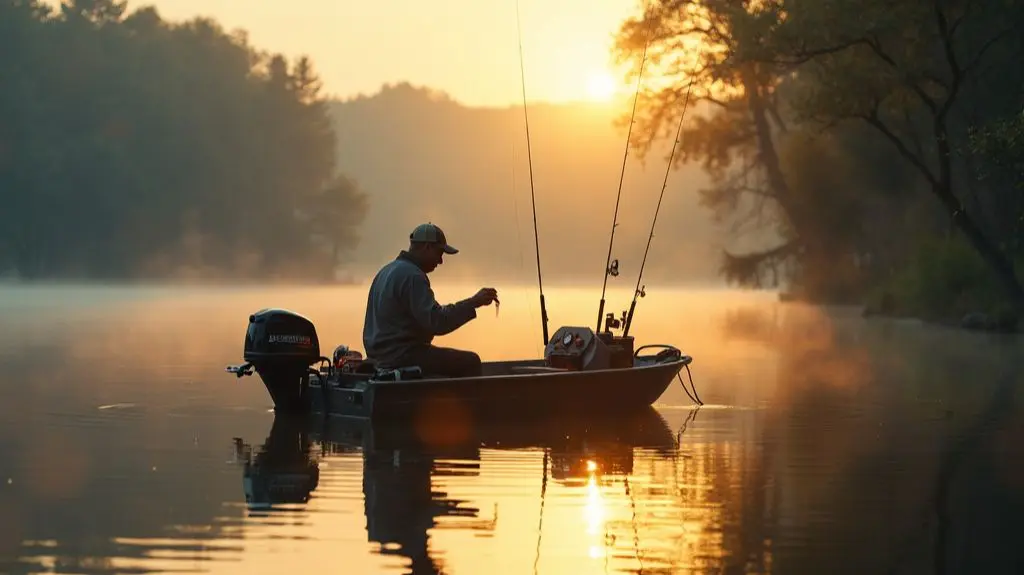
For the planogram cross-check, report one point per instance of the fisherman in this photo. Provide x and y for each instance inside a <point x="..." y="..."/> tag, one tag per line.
<point x="403" y="316"/>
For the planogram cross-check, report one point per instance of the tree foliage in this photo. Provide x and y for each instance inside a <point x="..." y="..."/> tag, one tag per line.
<point x="849" y="121"/>
<point x="135" y="147"/>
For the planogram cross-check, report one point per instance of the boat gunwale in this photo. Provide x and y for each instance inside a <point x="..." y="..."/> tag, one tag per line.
<point x="366" y="379"/>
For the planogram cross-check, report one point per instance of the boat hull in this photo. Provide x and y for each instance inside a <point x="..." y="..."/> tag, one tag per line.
<point x="503" y="394"/>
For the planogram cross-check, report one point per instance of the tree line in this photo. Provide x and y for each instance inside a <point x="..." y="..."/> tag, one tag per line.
<point x="881" y="140"/>
<point x="132" y="147"/>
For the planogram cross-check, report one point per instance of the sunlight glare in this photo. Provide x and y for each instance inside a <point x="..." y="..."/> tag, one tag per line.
<point x="601" y="86"/>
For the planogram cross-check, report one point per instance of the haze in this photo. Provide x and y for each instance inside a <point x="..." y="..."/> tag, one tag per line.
<point x="302" y="142"/>
<point x="426" y="106"/>
<point x="465" y="48"/>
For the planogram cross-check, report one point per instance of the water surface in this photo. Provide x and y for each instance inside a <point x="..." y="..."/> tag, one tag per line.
<point x="827" y="443"/>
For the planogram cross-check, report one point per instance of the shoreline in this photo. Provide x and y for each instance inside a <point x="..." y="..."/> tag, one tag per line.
<point x="975" y="321"/>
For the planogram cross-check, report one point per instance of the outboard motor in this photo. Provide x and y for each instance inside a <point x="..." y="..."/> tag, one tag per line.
<point x="281" y="346"/>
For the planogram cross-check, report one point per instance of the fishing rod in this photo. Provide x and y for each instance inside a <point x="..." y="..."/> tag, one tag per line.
<point x="609" y="267"/>
<point x="533" y="198"/>
<point x="639" y="292"/>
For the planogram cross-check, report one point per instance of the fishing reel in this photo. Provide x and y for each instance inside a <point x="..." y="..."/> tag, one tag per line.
<point x="611" y="322"/>
<point x="613" y="269"/>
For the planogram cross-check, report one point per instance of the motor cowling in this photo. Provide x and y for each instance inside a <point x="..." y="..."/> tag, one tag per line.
<point x="280" y="335"/>
<point x="281" y="345"/>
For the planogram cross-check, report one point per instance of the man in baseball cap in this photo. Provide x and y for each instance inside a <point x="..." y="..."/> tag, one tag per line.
<point x="431" y="234"/>
<point x="403" y="316"/>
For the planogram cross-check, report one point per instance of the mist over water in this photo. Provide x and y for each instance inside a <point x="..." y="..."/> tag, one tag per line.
<point x="827" y="442"/>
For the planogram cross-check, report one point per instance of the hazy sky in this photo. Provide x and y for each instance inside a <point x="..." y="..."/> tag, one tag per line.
<point x="467" y="48"/>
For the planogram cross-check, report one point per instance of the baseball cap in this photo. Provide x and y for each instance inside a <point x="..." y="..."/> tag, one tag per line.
<point x="431" y="234"/>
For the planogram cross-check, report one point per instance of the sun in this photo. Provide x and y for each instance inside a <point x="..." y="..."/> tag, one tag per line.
<point x="601" y="86"/>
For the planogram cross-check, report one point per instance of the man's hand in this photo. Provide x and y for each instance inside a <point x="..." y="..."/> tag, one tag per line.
<point x="484" y="297"/>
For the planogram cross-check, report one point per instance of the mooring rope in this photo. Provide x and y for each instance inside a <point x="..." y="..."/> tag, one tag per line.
<point x="694" y="398"/>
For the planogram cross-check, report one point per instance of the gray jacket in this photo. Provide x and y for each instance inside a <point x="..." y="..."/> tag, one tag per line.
<point x="402" y="312"/>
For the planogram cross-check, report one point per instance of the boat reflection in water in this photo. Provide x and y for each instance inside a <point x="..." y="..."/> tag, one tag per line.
<point x="284" y="471"/>
<point x="401" y="465"/>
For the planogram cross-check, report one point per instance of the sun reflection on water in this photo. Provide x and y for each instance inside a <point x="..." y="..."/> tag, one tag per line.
<point x="594" y="512"/>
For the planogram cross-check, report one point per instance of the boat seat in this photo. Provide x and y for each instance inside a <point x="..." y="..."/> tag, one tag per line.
<point x="366" y="367"/>
<point x="527" y="369"/>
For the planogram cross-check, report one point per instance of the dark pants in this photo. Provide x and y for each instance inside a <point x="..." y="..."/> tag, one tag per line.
<point x="442" y="361"/>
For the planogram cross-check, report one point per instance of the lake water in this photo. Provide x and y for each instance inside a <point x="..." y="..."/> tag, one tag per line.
<point x="827" y="444"/>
